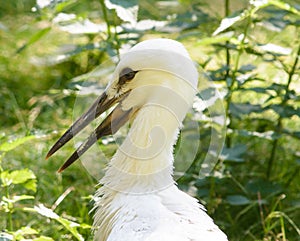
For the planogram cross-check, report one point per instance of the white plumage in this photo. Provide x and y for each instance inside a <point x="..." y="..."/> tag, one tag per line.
<point x="155" y="84"/>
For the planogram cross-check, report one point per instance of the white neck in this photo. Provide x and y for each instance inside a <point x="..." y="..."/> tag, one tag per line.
<point x="144" y="161"/>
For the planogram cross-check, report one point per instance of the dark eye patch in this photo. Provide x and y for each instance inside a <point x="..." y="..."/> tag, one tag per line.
<point x="126" y="75"/>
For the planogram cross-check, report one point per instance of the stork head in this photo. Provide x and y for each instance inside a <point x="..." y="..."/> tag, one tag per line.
<point x="157" y="71"/>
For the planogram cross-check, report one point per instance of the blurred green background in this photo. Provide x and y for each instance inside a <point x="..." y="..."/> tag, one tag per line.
<point x="55" y="58"/>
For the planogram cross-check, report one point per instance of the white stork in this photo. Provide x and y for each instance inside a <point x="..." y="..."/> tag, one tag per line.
<point x="153" y="86"/>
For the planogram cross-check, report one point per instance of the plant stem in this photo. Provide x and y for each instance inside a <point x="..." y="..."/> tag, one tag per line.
<point x="279" y="122"/>
<point x="227" y="12"/>
<point x="228" y="57"/>
<point x="10" y="222"/>
<point x="233" y="79"/>
<point x="103" y="8"/>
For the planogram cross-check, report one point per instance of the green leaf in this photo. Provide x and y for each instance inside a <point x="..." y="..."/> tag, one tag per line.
<point x="264" y="187"/>
<point x="246" y="68"/>
<point x="69" y="225"/>
<point x="34" y="38"/>
<point x="16" y="177"/>
<point x="233" y="154"/>
<point x="268" y="135"/>
<point x="15" y="199"/>
<point x="25" y="231"/>
<point x="237" y="200"/>
<point x="61" y="5"/>
<point x="231" y="20"/>
<point x="31" y="185"/>
<point x="43" y="238"/>
<point x="284" y="5"/>
<point x="239" y="109"/>
<point x="255" y="6"/>
<point x="273" y="49"/>
<point x="10" y="145"/>
<point x="126" y="10"/>
<point x="284" y="111"/>
<point x="216" y="39"/>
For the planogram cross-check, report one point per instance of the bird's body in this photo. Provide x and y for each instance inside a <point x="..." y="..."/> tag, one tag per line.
<point x="155" y="84"/>
<point x="166" y="215"/>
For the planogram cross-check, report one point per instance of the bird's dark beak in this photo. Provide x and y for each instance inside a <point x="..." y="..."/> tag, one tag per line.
<point x="110" y="125"/>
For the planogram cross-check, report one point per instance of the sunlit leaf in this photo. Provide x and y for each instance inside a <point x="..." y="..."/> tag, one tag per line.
<point x="216" y="39"/>
<point x="231" y="20"/>
<point x="16" y="198"/>
<point x="69" y="225"/>
<point x="31" y="185"/>
<point x="274" y="49"/>
<point x="43" y="3"/>
<point x="10" y="145"/>
<point x="143" y="25"/>
<point x="268" y="135"/>
<point x="16" y="177"/>
<point x="126" y="10"/>
<point x="80" y="26"/>
<point x="26" y="231"/>
<point x="256" y="5"/>
<point x="43" y="238"/>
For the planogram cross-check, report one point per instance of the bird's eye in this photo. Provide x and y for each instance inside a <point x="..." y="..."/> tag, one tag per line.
<point x="126" y="75"/>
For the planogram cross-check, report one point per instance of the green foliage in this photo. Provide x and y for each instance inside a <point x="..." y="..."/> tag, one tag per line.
<point x="56" y="53"/>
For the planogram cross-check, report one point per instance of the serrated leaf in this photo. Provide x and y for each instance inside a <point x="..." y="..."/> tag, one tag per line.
<point x="237" y="200"/>
<point x="126" y="10"/>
